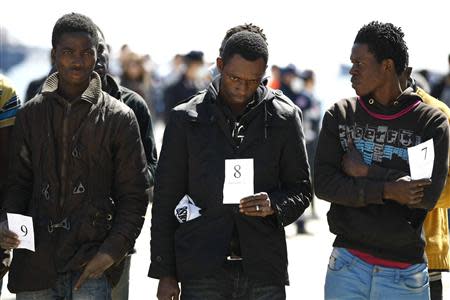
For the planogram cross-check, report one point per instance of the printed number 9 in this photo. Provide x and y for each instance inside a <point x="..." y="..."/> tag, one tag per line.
<point x="24" y="229"/>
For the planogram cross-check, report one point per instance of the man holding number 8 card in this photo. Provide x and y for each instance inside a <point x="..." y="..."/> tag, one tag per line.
<point x="78" y="170"/>
<point x="237" y="150"/>
<point x="363" y="168"/>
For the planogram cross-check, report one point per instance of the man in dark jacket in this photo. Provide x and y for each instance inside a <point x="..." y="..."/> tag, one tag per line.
<point x="144" y="119"/>
<point x="78" y="169"/>
<point x="229" y="250"/>
<point x="362" y="168"/>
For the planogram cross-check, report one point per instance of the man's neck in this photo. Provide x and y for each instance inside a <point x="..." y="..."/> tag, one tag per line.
<point x="388" y="95"/>
<point x="71" y="93"/>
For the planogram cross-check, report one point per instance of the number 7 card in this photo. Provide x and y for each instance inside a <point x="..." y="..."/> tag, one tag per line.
<point x="421" y="160"/>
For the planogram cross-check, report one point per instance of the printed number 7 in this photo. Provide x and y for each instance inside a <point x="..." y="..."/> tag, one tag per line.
<point x="426" y="148"/>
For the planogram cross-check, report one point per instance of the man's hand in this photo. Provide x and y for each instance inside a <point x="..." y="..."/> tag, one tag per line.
<point x="95" y="268"/>
<point x="405" y="190"/>
<point x="168" y="289"/>
<point x="8" y="239"/>
<point x="352" y="162"/>
<point x="257" y="205"/>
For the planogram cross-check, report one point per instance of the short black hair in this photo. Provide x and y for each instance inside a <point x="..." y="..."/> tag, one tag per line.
<point x="246" y="27"/>
<point x="74" y="22"/>
<point x="249" y="45"/>
<point x="385" y="41"/>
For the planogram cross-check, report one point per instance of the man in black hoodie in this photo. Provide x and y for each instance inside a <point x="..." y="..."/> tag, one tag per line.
<point x="238" y="250"/>
<point x="362" y="168"/>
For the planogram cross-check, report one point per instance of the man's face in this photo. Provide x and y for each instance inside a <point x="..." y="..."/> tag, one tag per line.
<point x="367" y="73"/>
<point x="102" y="65"/>
<point x="75" y="57"/>
<point x="240" y="78"/>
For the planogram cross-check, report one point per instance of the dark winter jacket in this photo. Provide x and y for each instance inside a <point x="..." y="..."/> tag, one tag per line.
<point x="134" y="101"/>
<point x="197" y="140"/>
<point x="79" y="170"/>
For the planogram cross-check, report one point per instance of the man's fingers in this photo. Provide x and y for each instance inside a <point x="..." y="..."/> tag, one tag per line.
<point x="9" y="243"/>
<point x="423" y="182"/>
<point x="84" y="276"/>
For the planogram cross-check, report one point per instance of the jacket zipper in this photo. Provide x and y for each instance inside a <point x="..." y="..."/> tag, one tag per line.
<point x="64" y="156"/>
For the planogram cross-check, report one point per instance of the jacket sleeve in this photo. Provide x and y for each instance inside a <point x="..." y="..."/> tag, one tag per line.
<point x="333" y="185"/>
<point x="170" y="187"/>
<point x="144" y="119"/>
<point x="20" y="179"/>
<point x="294" y="194"/>
<point x="130" y="188"/>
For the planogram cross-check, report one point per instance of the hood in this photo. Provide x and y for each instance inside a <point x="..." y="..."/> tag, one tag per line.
<point x="262" y="93"/>
<point x="404" y="103"/>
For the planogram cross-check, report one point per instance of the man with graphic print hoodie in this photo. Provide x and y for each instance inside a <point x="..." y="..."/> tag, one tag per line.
<point x="377" y="210"/>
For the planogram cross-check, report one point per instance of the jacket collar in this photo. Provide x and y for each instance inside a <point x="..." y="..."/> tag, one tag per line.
<point x="404" y="103"/>
<point x="113" y="88"/>
<point x="91" y="94"/>
<point x="259" y="97"/>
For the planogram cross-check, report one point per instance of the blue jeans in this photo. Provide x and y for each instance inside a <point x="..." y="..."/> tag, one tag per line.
<point x="348" y="277"/>
<point x="92" y="289"/>
<point x="229" y="283"/>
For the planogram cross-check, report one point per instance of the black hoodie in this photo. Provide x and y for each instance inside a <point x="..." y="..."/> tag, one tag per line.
<point x="359" y="216"/>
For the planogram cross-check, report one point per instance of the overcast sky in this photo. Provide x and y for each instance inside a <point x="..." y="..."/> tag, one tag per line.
<point x="312" y="34"/>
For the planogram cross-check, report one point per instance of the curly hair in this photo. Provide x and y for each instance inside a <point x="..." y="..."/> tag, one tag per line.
<point x="246" y="27"/>
<point x="385" y="41"/>
<point x="249" y="45"/>
<point x="74" y="22"/>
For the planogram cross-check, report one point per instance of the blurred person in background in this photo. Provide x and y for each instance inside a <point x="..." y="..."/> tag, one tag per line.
<point x="134" y="75"/>
<point x="441" y="90"/>
<point x="9" y="105"/>
<point x="290" y="82"/>
<point x="274" y="80"/>
<point x="192" y="80"/>
<point x="311" y="109"/>
<point x="144" y="119"/>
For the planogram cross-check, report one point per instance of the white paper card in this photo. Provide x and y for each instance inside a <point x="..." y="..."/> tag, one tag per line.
<point x="238" y="180"/>
<point x="23" y="227"/>
<point x="421" y="160"/>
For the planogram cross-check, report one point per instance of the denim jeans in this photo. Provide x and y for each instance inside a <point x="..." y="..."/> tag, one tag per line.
<point x="92" y="289"/>
<point x="348" y="277"/>
<point x="229" y="283"/>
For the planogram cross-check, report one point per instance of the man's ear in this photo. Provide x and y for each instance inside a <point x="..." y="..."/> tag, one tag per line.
<point x="389" y="65"/>
<point x="53" y="56"/>
<point x="219" y="64"/>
